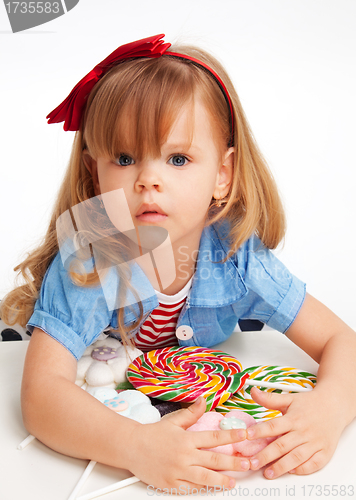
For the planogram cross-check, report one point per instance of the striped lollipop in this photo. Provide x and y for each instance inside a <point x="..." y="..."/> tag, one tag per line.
<point x="185" y="373"/>
<point x="283" y="375"/>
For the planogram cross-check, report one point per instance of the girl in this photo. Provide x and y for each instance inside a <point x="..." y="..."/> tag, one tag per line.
<point x="163" y="159"/>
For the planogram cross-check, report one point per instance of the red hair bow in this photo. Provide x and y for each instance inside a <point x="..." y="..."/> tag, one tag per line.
<point x="71" y="109"/>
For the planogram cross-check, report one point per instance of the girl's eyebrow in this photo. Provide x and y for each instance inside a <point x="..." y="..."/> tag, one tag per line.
<point x="181" y="146"/>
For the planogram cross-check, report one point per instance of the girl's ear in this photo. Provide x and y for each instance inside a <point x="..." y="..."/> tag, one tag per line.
<point x="92" y="167"/>
<point x="224" y="176"/>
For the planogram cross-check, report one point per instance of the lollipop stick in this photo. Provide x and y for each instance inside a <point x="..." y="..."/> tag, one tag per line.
<point x="82" y="480"/>
<point x="275" y="385"/>
<point x="25" y="442"/>
<point x="110" y="488"/>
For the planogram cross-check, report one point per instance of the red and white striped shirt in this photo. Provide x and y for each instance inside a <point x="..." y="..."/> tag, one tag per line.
<point x="159" y="329"/>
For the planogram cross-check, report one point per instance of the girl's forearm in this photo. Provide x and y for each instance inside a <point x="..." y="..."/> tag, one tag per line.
<point x="65" y="417"/>
<point x="332" y="344"/>
<point x="337" y="373"/>
<point x="69" y="420"/>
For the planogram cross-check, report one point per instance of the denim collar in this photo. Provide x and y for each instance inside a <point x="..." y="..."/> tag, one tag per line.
<point x="215" y="284"/>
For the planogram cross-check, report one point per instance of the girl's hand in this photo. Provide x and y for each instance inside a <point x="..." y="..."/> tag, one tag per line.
<point x="308" y="431"/>
<point x="165" y="455"/>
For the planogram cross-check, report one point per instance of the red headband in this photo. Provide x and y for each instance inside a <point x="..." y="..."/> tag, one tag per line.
<point x="71" y="109"/>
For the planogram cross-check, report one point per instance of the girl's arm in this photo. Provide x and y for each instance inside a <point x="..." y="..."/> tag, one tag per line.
<point x="313" y="422"/>
<point x="72" y="422"/>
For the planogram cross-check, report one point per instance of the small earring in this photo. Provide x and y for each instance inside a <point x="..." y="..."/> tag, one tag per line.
<point x="220" y="201"/>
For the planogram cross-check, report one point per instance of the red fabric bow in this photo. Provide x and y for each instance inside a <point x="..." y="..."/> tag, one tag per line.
<point x="71" y="109"/>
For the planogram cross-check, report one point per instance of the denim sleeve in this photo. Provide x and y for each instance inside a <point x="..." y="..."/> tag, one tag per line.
<point x="71" y="314"/>
<point x="274" y="295"/>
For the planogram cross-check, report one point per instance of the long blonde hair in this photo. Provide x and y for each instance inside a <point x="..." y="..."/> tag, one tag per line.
<point x="132" y="108"/>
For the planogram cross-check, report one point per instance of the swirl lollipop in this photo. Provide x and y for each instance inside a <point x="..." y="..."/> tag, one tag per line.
<point x="185" y="373"/>
<point x="283" y="376"/>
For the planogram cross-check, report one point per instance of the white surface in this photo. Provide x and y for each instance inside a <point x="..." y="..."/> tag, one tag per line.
<point x="293" y="64"/>
<point x="38" y="473"/>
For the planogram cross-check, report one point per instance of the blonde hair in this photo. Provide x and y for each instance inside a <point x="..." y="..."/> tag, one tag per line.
<point x="132" y="108"/>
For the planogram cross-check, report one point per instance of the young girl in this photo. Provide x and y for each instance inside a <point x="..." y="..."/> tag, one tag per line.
<point x="163" y="159"/>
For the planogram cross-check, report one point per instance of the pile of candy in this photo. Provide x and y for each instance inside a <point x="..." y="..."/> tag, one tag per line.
<point x="185" y="373"/>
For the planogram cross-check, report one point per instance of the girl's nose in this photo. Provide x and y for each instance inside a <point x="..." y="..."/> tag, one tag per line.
<point x="149" y="176"/>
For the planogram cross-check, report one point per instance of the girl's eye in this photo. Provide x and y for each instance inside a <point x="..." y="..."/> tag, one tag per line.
<point x="178" y="160"/>
<point x="124" y="160"/>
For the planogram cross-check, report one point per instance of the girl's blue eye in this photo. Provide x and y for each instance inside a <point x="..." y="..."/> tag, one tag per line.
<point x="178" y="160"/>
<point x="124" y="160"/>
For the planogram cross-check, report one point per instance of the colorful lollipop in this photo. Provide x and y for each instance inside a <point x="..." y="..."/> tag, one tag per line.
<point x="283" y="376"/>
<point x="185" y="373"/>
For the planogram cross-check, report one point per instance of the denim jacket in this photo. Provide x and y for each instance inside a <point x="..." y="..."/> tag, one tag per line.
<point x="251" y="284"/>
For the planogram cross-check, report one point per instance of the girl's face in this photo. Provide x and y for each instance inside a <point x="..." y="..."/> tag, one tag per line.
<point x="174" y="190"/>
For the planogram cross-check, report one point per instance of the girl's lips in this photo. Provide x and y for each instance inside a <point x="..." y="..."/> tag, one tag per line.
<point x="151" y="217"/>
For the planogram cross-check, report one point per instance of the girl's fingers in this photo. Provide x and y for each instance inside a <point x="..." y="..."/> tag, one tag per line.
<point x="207" y="477"/>
<point x="189" y="416"/>
<point x="315" y="463"/>
<point x="201" y="480"/>
<point x="269" y="428"/>
<point x="211" y="439"/>
<point x="222" y="462"/>
<point x="271" y="400"/>
<point x="284" y="445"/>
<point x="298" y="457"/>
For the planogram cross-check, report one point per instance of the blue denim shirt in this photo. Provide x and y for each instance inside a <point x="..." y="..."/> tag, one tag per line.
<point x="251" y="284"/>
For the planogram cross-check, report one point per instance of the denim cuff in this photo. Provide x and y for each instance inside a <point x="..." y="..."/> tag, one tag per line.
<point x="58" y="331"/>
<point x="290" y="306"/>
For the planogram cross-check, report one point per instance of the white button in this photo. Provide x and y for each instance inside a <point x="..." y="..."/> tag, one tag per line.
<point x="184" y="332"/>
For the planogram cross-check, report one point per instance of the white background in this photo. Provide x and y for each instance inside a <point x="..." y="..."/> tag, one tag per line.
<point x="293" y="65"/>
